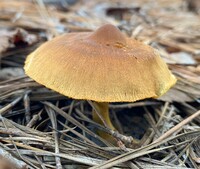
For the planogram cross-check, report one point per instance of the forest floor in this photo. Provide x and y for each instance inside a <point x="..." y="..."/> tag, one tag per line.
<point x="40" y="128"/>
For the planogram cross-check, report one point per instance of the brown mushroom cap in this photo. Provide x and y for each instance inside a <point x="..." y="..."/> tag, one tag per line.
<point x="104" y="66"/>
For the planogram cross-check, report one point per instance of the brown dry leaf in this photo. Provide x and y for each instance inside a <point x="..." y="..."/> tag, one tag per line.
<point x="194" y="5"/>
<point x="4" y="164"/>
<point x="15" y="38"/>
<point x="176" y="95"/>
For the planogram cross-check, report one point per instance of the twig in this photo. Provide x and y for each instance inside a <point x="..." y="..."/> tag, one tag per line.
<point x="125" y="139"/>
<point x="34" y="119"/>
<point x="71" y="119"/>
<point x="131" y="105"/>
<point x="177" y="127"/>
<point x="27" y="106"/>
<point x="69" y="112"/>
<point x="53" y="118"/>
<point x="9" y="106"/>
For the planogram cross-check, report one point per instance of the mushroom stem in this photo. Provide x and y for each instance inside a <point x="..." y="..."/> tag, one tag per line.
<point x="101" y="116"/>
<point x="103" y="110"/>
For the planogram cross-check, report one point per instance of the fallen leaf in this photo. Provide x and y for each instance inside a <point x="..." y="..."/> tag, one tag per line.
<point x="15" y="38"/>
<point x="183" y="58"/>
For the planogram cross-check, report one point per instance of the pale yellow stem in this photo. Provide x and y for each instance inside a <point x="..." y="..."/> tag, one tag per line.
<point x="103" y="110"/>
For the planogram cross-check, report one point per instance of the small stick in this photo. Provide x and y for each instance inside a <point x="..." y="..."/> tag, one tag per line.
<point x="115" y="134"/>
<point x="177" y="127"/>
<point x="34" y="119"/>
<point x="27" y="106"/>
<point x="69" y="112"/>
<point x="9" y="106"/>
<point x="53" y="119"/>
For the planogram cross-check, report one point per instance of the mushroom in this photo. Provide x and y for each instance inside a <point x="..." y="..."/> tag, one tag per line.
<point x="102" y="66"/>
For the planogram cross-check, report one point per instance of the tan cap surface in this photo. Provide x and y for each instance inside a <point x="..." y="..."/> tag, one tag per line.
<point x="104" y="66"/>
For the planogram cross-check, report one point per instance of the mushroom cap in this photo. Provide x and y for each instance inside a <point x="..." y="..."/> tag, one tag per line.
<point x="103" y="66"/>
